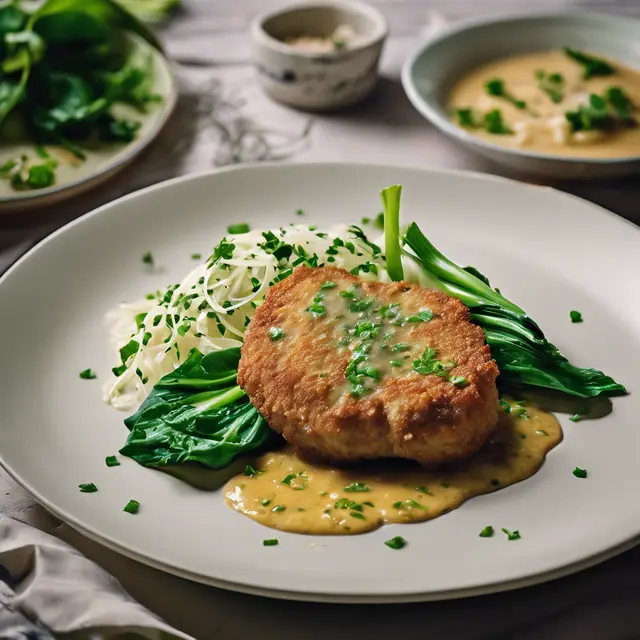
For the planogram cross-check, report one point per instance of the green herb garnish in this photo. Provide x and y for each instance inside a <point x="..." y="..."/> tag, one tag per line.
<point x="580" y="473"/>
<point x="251" y="471"/>
<point x="275" y="334"/>
<point x="270" y="542"/>
<point x="88" y="487"/>
<point x="132" y="506"/>
<point x="147" y="258"/>
<point x="458" y="381"/>
<point x="552" y="84"/>
<point x="88" y="374"/>
<point x="487" y="532"/>
<point x="592" y="66"/>
<point x="397" y="542"/>
<point x="236" y="229"/>
<point x="328" y="285"/>
<point x="112" y="461"/>
<point x="356" y="487"/>
<point x="424" y="315"/>
<point x="493" y="123"/>
<point x="512" y="535"/>
<point x="278" y="508"/>
<point x="575" y="316"/>
<point x="196" y="256"/>
<point x="497" y="88"/>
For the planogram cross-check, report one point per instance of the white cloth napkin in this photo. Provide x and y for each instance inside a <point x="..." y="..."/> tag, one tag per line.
<point x="48" y="589"/>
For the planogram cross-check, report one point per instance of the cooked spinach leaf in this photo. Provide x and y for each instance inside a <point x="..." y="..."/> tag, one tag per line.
<point x="196" y="413"/>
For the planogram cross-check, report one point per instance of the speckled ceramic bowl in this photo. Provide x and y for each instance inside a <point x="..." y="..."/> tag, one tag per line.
<point x="312" y="80"/>
<point x="431" y="72"/>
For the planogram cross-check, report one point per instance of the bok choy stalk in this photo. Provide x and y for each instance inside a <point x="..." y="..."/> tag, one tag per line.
<point x="518" y="345"/>
<point x="196" y="413"/>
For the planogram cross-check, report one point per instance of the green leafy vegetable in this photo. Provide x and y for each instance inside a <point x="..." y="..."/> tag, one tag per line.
<point x="88" y="374"/>
<point x="592" y="66"/>
<point x="196" y="413"/>
<point x="497" y="88"/>
<point x="523" y="354"/>
<point x="63" y="65"/>
<point x="391" y="204"/>
<point x="88" y="487"/>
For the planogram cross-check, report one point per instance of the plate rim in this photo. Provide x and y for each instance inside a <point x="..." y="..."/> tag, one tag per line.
<point x="13" y="203"/>
<point x="333" y="596"/>
<point x="460" y="135"/>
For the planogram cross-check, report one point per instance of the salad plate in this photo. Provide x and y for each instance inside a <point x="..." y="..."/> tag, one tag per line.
<point x="56" y="430"/>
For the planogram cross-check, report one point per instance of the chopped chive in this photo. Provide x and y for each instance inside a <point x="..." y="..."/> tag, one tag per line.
<point x="88" y="374"/>
<point x="270" y="542"/>
<point x="250" y="471"/>
<point x="397" y="542"/>
<point x="112" y="461"/>
<point x="575" y="316"/>
<point x="487" y="532"/>
<point x="328" y="285"/>
<point x="147" y="258"/>
<point x="266" y="502"/>
<point x="278" y="508"/>
<point x="132" y="506"/>
<point x="580" y="473"/>
<point x="241" y="227"/>
<point x="196" y="256"/>
<point x="276" y="333"/>
<point x="289" y="478"/>
<point x="512" y="535"/>
<point x="357" y="514"/>
<point x="88" y="487"/>
<point x="356" y="487"/>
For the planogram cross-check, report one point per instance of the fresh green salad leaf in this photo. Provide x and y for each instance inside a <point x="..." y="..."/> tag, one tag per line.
<point x="523" y="354"/>
<point x="196" y="413"/>
<point x="62" y="68"/>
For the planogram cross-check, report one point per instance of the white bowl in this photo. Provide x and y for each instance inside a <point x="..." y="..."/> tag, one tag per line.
<point x="429" y="75"/>
<point x="312" y="80"/>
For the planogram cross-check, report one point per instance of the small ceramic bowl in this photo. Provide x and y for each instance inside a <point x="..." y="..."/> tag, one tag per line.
<point x="338" y="73"/>
<point x="429" y="75"/>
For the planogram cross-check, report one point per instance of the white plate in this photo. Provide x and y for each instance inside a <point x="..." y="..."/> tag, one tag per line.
<point x="548" y="251"/>
<point x="104" y="162"/>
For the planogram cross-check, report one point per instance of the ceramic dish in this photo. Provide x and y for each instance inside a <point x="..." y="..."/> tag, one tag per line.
<point x="55" y="430"/>
<point x="102" y="163"/>
<point x="318" y="80"/>
<point x="429" y="75"/>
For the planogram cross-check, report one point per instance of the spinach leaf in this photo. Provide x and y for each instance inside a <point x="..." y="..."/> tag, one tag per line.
<point x="196" y="413"/>
<point x="523" y="354"/>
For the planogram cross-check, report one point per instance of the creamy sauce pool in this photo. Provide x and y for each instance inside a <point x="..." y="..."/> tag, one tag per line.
<point x="542" y="126"/>
<point x="291" y="494"/>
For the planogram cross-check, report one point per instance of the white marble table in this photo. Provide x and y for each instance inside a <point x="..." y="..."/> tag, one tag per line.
<point x="223" y="118"/>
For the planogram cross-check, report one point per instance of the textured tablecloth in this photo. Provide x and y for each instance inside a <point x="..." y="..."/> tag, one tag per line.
<point x="223" y="118"/>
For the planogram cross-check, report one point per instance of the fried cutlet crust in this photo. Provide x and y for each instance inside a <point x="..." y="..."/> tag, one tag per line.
<point x="298" y="383"/>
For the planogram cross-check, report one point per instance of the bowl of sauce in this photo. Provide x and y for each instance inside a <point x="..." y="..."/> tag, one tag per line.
<point x="320" y="56"/>
<point x="555" y="95"/>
